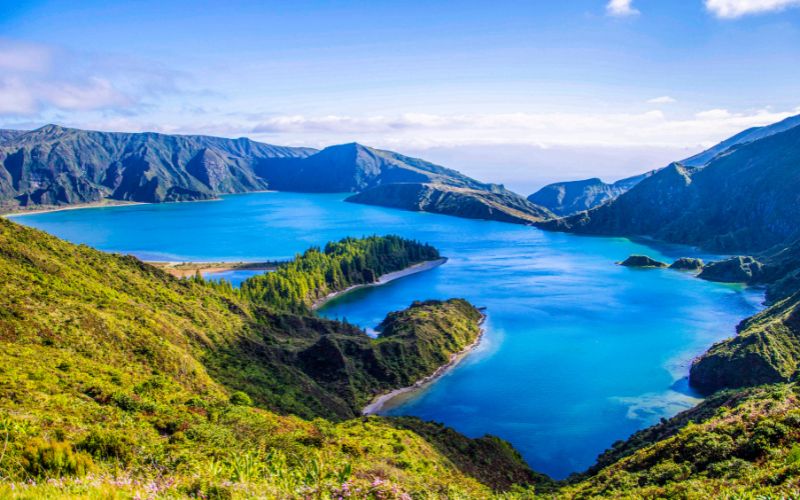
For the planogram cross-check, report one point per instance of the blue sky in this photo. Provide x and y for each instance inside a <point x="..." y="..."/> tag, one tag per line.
<point x="518" y="92"/>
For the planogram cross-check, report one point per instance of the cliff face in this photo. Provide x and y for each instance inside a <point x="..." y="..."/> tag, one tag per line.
<point x="747" y="199"/>
<point x="498" y="204"/>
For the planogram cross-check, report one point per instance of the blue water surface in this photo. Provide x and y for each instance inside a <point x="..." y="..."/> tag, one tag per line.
<point x="578" y="352"/>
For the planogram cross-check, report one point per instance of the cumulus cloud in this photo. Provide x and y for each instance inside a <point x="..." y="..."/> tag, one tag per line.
<point x="650" y="128"/>
<point x="664" y="99"/>
<point x="621" y="8"/>
<point x="731" y="9"/>
<point x="36" y="79"/>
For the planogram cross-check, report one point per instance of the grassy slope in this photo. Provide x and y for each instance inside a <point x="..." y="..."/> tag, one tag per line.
<point x="745" y="446"/>
<point x="114" y="368"/>
<point x="766" y="350"/>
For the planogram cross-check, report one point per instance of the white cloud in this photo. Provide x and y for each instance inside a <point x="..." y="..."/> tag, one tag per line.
<point x="651" y="128"/>
<point x="23" y="57"/>
<point x="731" y="9"/>
<point x="39" y="79"/>
<point x="664" y="99"/>
<point x="621" y="8"/>
<point x="713" y="114"/>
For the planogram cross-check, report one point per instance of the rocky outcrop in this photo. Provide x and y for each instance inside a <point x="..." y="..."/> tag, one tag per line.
<point x="687" y="264"/>
<point x="498" y="204"/>
<point x="641" y="261"/>
<point x="741" y="269"/>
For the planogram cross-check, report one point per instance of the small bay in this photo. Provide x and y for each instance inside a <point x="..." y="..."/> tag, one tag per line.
<point x="578" y="352"/>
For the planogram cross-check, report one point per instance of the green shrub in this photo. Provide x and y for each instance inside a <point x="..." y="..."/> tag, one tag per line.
<point x="125" y="401"/>
<point x="767" y="434"/>
<point x="666" y="472"/>
<point x="240" y="398"/>
<point x="42" y="458"/>
<point x="108" y="445"/>
<point x="705" y="449"/>
<point x="793" y="458"/>
<point x="734" y="468"/>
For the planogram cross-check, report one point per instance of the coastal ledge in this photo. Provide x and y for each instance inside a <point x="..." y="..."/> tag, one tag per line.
<point x="380" y="401"/>
<point x="382" y="280"/>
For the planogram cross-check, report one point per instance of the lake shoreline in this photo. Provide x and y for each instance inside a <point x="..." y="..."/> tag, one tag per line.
<point x="78" y="206"/>
<point x="380" y="401"/>
<point x="108" y="202"/>
<point x="188" y="269"/>
<point x="382" y="280"/>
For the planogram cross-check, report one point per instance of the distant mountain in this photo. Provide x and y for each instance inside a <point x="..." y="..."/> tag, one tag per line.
<point x="495" y="204"/>
<point x="567" y="198"/>
<point x="745" y="200"/>
<point x="9" y="135"/>
<point x="353" y="167"/>
<point x="749" y="135"/>
<point x="56" y="166"/>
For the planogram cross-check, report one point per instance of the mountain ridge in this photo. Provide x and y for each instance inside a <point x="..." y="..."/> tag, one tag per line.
<point x="570" y="197"/>
<point x="58" y="166"/>
<point x="744" y="200"/>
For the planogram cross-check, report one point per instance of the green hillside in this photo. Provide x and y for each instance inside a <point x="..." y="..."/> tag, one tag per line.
<point x="118" y="379"/>
<point x="735" y="445"/>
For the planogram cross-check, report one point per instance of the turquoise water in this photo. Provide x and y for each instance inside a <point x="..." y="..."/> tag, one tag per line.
<point x="234" y="277"/>
<point x="578" y="352"/>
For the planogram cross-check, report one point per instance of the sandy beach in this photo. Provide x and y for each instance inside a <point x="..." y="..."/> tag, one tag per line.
<point x="379" y="402"/>
<point x="386" y="278"/>
<point x="18" y="212"/>
<point x="188" y="269"/>
<point x="78" y="206"/>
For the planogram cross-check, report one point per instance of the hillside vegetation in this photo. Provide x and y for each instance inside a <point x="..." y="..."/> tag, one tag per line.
<point x="296" y="285"/>
<point x="568" y="198"/>
<point x="735" y="445"/>
<point x="766" y="350"/>
<point x="745" y="200"/>
<point x="118" y="379"/>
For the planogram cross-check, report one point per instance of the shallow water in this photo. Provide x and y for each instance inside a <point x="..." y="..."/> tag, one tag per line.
<point x="578" y="353"/>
